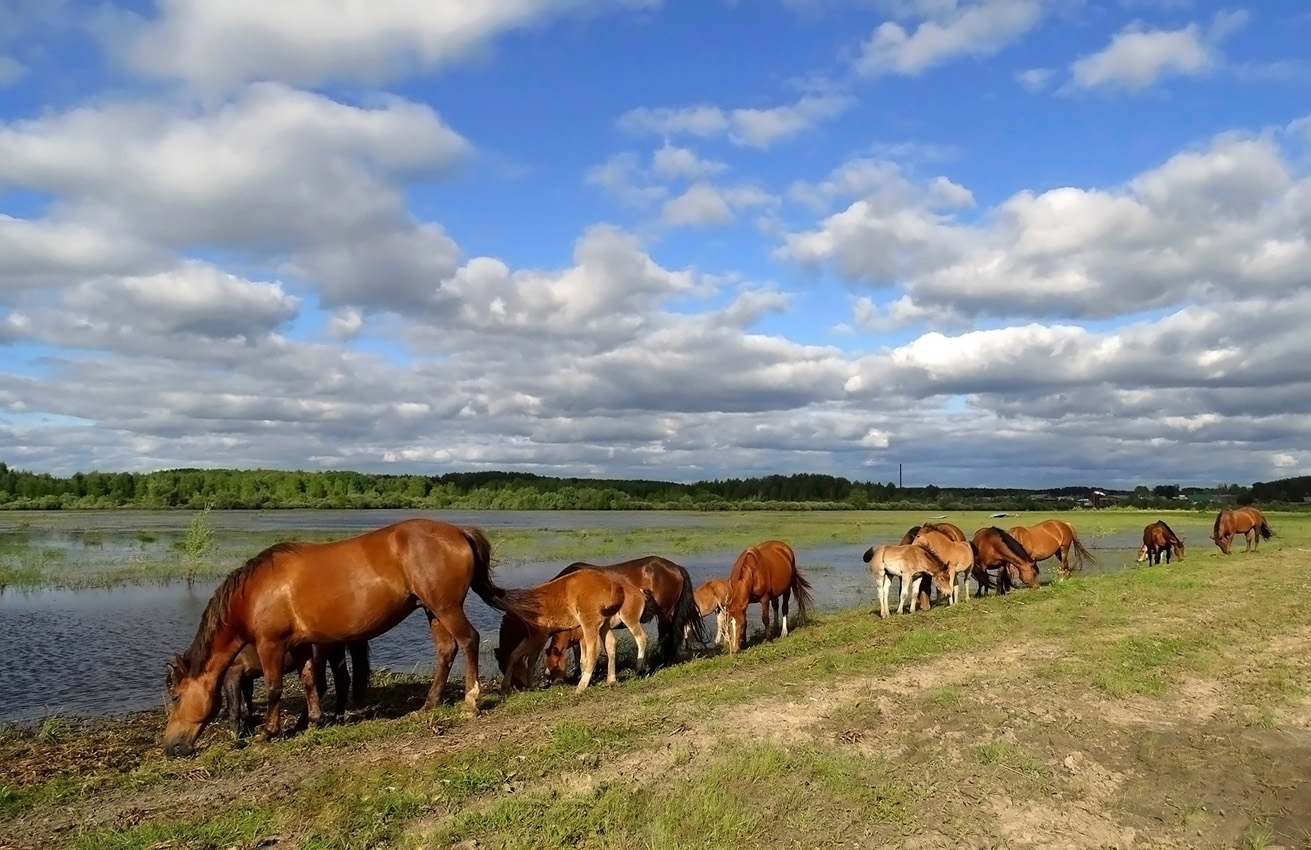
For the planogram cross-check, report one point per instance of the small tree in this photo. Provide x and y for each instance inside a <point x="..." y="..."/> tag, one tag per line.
<point x="198" y="543"/>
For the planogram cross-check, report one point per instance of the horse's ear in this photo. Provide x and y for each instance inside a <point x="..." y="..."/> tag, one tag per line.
<point x="177" y="669"/>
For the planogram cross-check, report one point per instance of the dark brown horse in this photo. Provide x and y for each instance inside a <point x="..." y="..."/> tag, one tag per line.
<point x="239" y="683"/>
<point x="1159" y="540"/>
<point x="675" y="612"/>
<point x="764" y="574"/>
<point x="296" y="594"/>
<point x="1053" y="537"/>
<point x="593" y="601"/>
<point x="1248" y="522"/>
<point x="994" y="549"/>
<point x="952" y="532"/>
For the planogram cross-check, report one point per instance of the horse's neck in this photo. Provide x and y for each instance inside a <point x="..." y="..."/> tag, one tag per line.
<point x="223" y="648"/>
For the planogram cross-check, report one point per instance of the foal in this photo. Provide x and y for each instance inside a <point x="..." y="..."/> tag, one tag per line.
<point x="907" y="563"/>
<point x="712" y="598"/>
<point x="589" y="600"/>
<point x="957" y="556"/>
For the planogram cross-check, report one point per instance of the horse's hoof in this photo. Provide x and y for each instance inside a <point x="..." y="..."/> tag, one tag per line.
<point x="469" y="712"/>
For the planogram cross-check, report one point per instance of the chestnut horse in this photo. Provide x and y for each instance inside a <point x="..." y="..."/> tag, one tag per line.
<point x="1053" y="537"/>
<point x="712" y="598"/>
<point x="1158" y="539"/>
<point x="239" y="682"/>
<point x="952" y="532"/>
<point x="295" y="594"/>
<point x="907" y="563"/>
<point x="591" y="600"/>
<point x="675" y="611"/>
<point x="1248" y="522"/>
<point x="994" y="549"/>
<point x="764" y="573"/>
<point x="956" y="555"/>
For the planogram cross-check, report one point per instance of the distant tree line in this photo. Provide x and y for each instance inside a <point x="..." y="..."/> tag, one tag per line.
<point x="1284" y="490"/>
<point x="228" y="489"/>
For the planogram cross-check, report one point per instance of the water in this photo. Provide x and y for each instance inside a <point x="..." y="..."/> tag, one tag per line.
<point x="103" y="651"/>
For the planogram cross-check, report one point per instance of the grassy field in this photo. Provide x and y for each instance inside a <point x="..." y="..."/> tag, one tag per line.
<point x="1154" y="707"/>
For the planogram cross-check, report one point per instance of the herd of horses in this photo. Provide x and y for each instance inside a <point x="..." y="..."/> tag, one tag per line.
<point x="303" y="607"/>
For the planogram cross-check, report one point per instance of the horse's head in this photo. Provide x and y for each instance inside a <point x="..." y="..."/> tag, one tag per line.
<point x="553" y="657"/>
<point x="1179" y="549"/>
<point x="1142" y="553"/>
<point x="942" y="580"/>
<point x="191" y="706"/>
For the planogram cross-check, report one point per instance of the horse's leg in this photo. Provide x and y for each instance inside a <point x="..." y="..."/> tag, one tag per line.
<point x="721" y="628"/>
<point x="885" y="584"/>
<point x="521" y="655"/>
<point x="271" y="654"/>
<point x="774" y="605"/>
<point x="765" y="602"/>
<point x="787" y="598"/>
<point x="445" y="643"/>
<point x="593" y="632"/>
<point x="466" y="636"/>
<point x="341" y="677"/>
<point x="309" y="681"/>
<point x="611" y="673"/>
<point x="907" y="592"/>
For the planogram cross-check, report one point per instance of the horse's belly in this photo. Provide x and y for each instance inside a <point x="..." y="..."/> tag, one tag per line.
<point x="354" y="614"/>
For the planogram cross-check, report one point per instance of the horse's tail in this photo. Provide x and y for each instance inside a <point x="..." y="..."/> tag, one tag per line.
<point x="520" y="603"/>
<point x="1081" y="554"/>
<point x="687" y="617"/>
<point x="868" y="556"/>
<point x="1266" y="532"/>
<point x="359" y="651"/>
<point x="801" y="592"/>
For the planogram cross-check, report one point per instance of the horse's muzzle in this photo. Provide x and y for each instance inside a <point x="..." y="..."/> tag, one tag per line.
<point x="178" y="748"/>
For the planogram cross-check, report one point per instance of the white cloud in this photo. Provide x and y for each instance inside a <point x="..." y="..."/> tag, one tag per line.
<point x="946" y="31"/>
<point x="1035" y="79"/>
<point x="222" y="44"/>
<point x="703" y="205"/>
<point x="11" y="70"/>
<point x="277" y="165"/>
<point x="620" y="176"/>
<point x="672" y="162"/>
<point x="1137" y="58"/>
<point x="747" y="127"/>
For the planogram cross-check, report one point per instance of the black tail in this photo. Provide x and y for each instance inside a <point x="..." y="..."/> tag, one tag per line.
<point x="801" y="592"/>
<point x="1266" y="533"/>
<point x="359" y="651"/>
<point x="517" y="602"/>
<point x="868" y="556"/>
<point x="686" y="618"/>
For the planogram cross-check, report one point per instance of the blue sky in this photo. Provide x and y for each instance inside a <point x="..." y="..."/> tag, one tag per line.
<point x="1002" y="242"/>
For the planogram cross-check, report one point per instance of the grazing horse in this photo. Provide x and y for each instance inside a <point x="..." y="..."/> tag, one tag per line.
<point x="675" y="608"/>
<point x="1248" y="522"/>
<point x="591" y="600"/>
<point x="907" y="563"/>
<point x="1053" y="537"/>
<point x="994" y="549"/>
<point x="764" y="573"/>
<point x="1158" y="539"/>
<point x="712" y="598"/>
<point x="295" y="594"/>
<point x="955" y="554"/>
<point x="952" y="532"/>
<point x="239" y="682"/>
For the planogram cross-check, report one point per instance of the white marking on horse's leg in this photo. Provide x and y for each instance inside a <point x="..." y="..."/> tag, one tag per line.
<point x="884" y="584"/>
<point x="610" y="655"/>
<point x="785" y="625"/>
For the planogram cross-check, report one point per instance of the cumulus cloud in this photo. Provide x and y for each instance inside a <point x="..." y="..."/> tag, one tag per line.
<point x="704" y="205"/>
<point x="222" y="44"/>
<point x="1138" y="57"/>
<point x="1230" y="217"/>
<point x="672" y="162"/>
<point x="946" y="31"/>
<point x="747" y="127"/>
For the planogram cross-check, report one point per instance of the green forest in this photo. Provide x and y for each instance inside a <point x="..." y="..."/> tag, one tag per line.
<point x="232" y="489"/>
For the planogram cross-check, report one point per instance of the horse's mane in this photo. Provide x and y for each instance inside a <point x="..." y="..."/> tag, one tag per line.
<point x="216" y="612"/>
<point x="1013" y="544"/>
<point x="1215" y="529"/>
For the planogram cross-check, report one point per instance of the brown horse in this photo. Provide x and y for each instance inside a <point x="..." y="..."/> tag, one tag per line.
<point x="296" y="594"/>
<point x="1158" y="539"/>
<point x="956" y="555"/>
<point x="907" y="563"/>
<point x="994" y="549"/>
<point x="712" y="598"/>
<point x="1053" y="537"/>
<point x="239" y="682"/>
<point x="1248" y="522"/>
<point x="587" y="599"/>
<point x="764" y="574"/>
<point x="952" y="532"/>
<point x="675" y="608"/>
